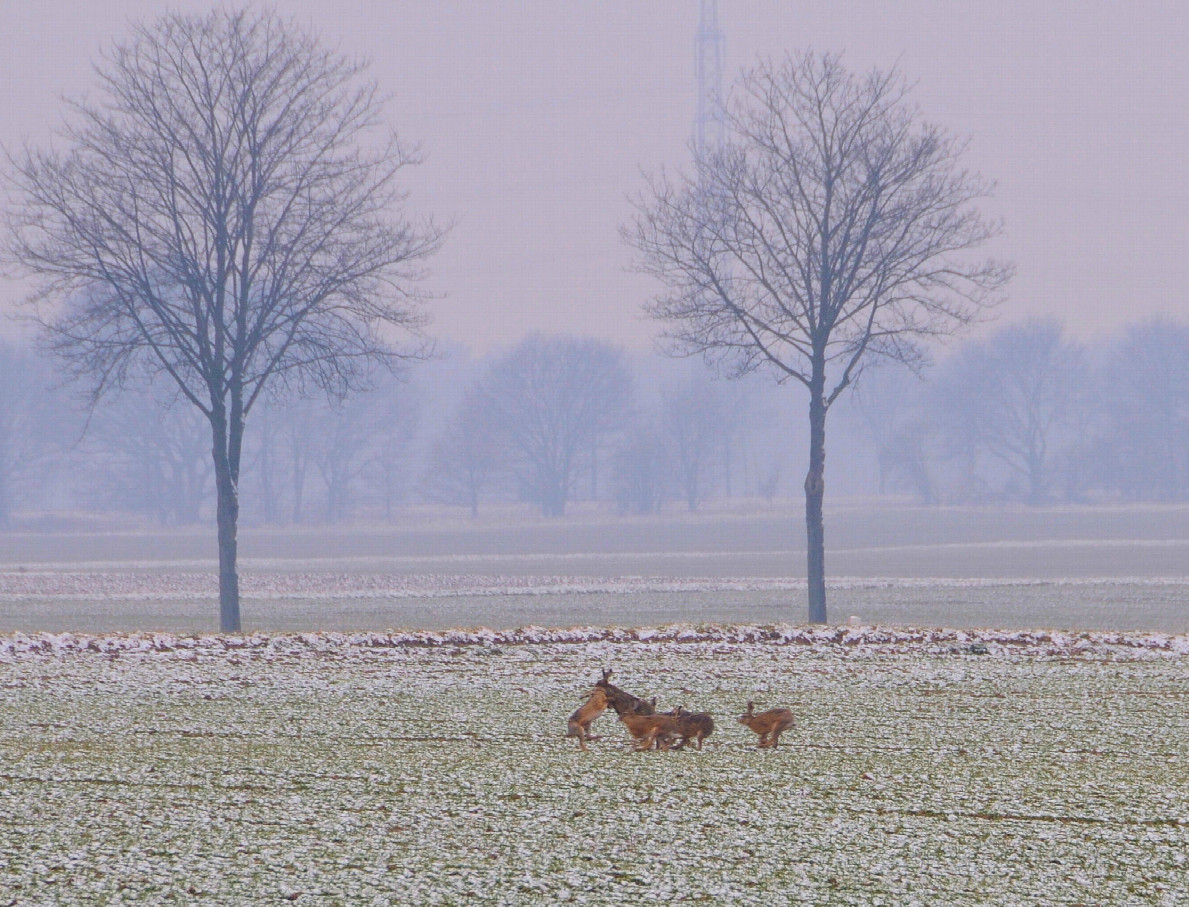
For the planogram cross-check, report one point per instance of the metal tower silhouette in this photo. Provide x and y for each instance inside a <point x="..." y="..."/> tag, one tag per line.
<point x="709" y="53"/>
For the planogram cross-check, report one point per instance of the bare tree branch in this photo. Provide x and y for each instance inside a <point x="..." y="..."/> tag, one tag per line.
<point x="228" y="214"/>
<point x="832" y="225"/>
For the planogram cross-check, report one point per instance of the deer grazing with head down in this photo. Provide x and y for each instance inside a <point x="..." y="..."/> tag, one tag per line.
<point x="769" y="725"/>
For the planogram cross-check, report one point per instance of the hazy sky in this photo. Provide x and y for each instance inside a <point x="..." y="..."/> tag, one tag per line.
<point x="537" y="117"/>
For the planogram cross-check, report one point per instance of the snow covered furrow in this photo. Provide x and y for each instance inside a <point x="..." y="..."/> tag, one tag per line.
<point x="834" y="640"/>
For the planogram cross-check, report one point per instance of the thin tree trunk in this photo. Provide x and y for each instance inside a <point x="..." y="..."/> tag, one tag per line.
<point x="555" y="497"/>
<point x="815" y="487"/>
<point x="227" y="519"/>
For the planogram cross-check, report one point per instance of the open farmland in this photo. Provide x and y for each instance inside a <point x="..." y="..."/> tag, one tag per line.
<point x="431" y="769"/>
<point x="1088" y="568"/>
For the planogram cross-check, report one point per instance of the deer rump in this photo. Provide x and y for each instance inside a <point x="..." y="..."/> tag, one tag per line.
<point x="648" y="731"/>
<point x="692" y="726"/>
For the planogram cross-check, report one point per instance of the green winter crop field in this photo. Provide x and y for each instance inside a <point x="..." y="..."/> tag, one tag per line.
<point x="431" y="769"/>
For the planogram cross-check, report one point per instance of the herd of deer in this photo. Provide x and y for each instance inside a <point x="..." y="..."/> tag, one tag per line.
<point x="665" y="730"/>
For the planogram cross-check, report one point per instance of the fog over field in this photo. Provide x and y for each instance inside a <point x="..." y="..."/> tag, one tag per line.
<point x="389" y="376"/>
<point x="287" y="344"/>
<point x="1075" y="568"/>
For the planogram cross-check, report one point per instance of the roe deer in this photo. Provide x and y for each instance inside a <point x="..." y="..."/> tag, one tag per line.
<point x="623" y="702"/>
<point x="768" y="725"/>
<point x="585" y="715"/>
<point x="696" y="726"/>
<point x="650" y="730"/>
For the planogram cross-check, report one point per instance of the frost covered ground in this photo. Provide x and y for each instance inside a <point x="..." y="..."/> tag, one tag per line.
<point x="430" y="768"/>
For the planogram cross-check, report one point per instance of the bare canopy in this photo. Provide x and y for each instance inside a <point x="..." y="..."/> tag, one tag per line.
<point x="227" y="214"/>
<point x="832" y="224"/>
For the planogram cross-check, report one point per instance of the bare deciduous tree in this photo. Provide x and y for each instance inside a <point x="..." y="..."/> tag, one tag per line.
<point x="554" y="398"/>
<point x="1011" y="395"/>
<point x="694" y="415"/>
<point x="832" y="225"/>
<point x="25" y="408"/>
<point x="467" y="457"/>
<point x="394" y="413"/>
<point x="1144" y="401"/>
<point x="228" y="215"/>
<point x="642" y="468"/>
<point x="892" y="413"/>
<point x="157" y="456"/>
<point x="340" y="445"/>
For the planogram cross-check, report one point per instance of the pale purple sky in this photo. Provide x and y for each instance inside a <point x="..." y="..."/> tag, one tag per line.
<point x="537" y="117"/>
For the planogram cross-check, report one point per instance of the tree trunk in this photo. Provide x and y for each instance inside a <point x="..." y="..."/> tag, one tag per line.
<point x="1036" y="479"/>
<point x="227" y="518"/>
<point x="299" y="481"/>
<point x="815" y="487"/>
<point x="553" y="485"/>
<point x="555" y="501"/>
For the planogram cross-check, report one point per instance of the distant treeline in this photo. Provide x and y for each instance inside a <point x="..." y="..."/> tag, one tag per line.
<point x="1022" y="415"/>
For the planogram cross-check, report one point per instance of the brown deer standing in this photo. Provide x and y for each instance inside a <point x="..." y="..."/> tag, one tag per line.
<point x="584" y="716"/>
<point x="769" y="725"/>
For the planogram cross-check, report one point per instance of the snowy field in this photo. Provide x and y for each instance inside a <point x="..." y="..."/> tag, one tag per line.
<point x="428" y="768"/>
<point x="353" y="748"/>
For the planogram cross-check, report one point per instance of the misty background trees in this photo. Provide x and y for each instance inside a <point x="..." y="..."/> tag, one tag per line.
<point x="214" y="243"/>
<point x="1117" y="430"/>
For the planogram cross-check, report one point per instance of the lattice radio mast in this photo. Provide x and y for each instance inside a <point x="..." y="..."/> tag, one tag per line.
<point x="709" y="54"/>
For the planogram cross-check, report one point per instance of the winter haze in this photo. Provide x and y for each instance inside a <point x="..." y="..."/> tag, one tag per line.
<point x="279" y="624"/>
<point x="537" y="117"/>
<point x="1038" y="472"/>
